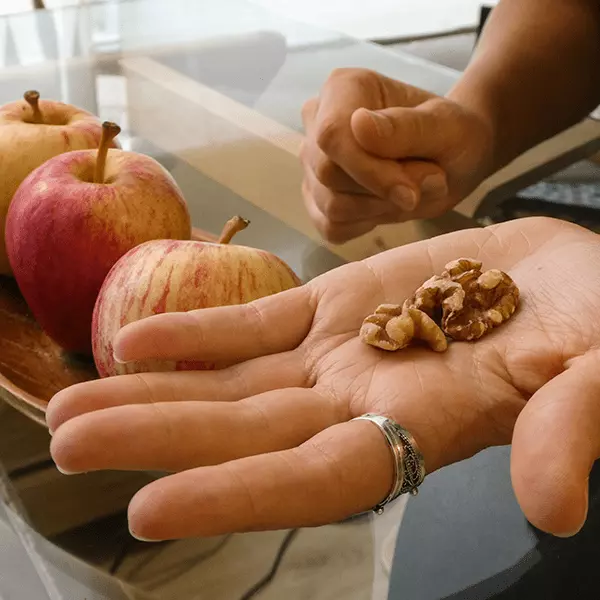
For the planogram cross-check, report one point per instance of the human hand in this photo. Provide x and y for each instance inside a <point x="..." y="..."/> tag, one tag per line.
<point x="411" y="155"/>
<point x="268" y="443"/>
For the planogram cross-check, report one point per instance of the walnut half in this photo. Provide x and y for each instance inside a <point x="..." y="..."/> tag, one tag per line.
<point x="462" y="303"/>
<point x="391" y="327"/>
<point x="489" y="301"/>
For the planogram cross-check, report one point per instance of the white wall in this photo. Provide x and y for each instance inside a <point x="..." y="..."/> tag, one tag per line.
<point x="382" y="18"/>
<point x="372" y="19"/>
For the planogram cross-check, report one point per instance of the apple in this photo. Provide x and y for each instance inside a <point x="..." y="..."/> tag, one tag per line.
<point x="178" y="276"/>
<point x="31" y="132"/>
<point x="71" y="220"/>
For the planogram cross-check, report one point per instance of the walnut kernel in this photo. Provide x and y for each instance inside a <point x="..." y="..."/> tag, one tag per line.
<point x="374" y="328"/>
<point x="490" y="300"/>
<point x="426" y="329"/>
<point x="392" y="328"/>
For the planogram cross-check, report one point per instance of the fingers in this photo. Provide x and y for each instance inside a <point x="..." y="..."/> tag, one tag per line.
<point x="431" y="189"/>
<point x="382" y="178"/>
<point x="231" y="334"/>
<point x="341" y="207"/>
<point x="182" y="435"/>
<point x="226" y="385"/>
<point x="339" y="232"/>
<point x="556" y="441"/>
<point x="342" y="471"/>
<point x="317" y="164"/>
<point x="327" y="124"/>
<point x="338" y="171"/>
<point x="340" y="217"/>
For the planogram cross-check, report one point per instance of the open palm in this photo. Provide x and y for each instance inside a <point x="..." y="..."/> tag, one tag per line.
<point x="267" y="443"/>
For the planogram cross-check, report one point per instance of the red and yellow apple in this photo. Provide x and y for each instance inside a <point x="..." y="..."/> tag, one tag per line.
<point x="31" y="132"/>
<point x="179" y="276"/>
<point x="71" y="220"/>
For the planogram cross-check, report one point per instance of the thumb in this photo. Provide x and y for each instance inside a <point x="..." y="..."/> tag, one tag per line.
<point x="556" y="441"/>
<point x="422" y="132"/>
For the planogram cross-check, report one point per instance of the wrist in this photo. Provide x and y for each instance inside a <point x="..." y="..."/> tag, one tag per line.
<point x="472" y="97"/>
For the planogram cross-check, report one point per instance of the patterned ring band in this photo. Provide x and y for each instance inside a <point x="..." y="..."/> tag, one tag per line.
<point x="409" y="465"/>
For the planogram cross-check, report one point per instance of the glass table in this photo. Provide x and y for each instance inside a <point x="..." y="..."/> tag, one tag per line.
<point x="213" y="91"/>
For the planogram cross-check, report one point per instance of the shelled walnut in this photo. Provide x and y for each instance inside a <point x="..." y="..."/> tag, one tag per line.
<point x="462" y="303"/>
<point x="392" y="327"/>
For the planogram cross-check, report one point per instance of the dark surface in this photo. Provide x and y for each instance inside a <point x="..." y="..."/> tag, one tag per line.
<point x="574" y="202"/>
<point x="464" y="537"/>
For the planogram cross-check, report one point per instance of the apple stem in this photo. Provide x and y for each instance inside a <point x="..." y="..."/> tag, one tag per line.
<point x="232" y="227"/>
<point x="109" y="132"/>
<point x="32" y="97"/>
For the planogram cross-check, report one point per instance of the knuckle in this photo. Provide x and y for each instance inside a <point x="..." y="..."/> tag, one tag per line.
<point x="330" y="130"/>
<point x="367" y="78"/>
<point x="321" y="202"/>
<point x="342" y="72"/>
<point x="325" y="227"/>
<point x="332" y="206"/>
<point x="319" y="207"/>
<point x="328" y="134"/>
<point x="366" y="81"/>
<point x="355" y="74"/>
<point x="333" y="232"/>
<point x="325" y="171"/>
<point x="335" y="209"/>
<point x="147" y="390"/>
<point x="443" y="108"/>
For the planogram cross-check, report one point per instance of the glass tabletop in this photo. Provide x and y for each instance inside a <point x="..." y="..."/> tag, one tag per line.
<point x="213" y="91"/>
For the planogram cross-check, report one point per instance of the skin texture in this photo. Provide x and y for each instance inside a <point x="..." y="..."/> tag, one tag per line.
<point x="510" y="80"/>
<point x="380" y="151"/>
<point x="177" y="276"/>
<point x="64" y="233"/>
<point x="24" y="146"/>
<point x="267" y="443"/>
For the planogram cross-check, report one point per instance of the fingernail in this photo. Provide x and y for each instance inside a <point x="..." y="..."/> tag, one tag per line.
<point x="119" y="360"/>
<point x="404" y="197"/>
<point x="140" y="538"/>
<point x="434" y="185"/>
<point x="383" y="124"/>
<point x="64" y="471"/>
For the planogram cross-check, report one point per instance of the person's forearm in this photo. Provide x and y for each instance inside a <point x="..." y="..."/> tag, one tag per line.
<point x="535" y="72"/>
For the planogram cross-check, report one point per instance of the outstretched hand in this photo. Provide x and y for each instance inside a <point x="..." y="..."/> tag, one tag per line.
<point x="268" y="442"/>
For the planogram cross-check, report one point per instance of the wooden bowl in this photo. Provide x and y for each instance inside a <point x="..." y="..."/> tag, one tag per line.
<point x="33" y="367"/>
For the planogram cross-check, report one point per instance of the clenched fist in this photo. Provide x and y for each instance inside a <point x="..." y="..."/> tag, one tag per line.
<point x="380" y="151"/>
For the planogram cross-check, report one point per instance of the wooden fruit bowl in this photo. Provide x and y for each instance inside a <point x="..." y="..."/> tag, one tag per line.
<point x="32" y="367"/>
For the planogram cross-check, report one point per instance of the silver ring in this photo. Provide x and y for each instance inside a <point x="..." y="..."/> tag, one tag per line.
<point x="409" y="465"/>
